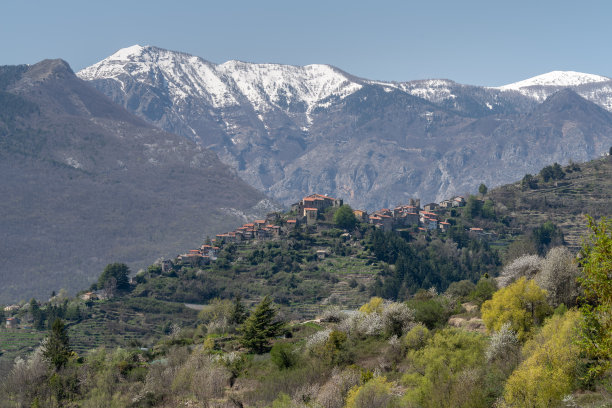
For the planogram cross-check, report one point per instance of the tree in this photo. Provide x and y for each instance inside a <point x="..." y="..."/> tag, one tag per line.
<point x="482" y="189"/>
<point x="57" y="350"/>
<point x="374" y="393"/>
<point x="38" y="315"/>
<point x="547" y="374"/>
<point x="239" y="312"/>
<point x="117" y="271"/>
<point x="596" y="262"/>
<point x="558" y="277"/>
<point x="260" y="327"/>
<point x="345" y="218"/>
<point x="529" y="182"/>
<point x="473" y="207"/>
<point x="522" y="304"/>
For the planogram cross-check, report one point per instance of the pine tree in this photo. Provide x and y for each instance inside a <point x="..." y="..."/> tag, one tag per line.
<point x="239" y="312"/>
<point x="260" y="327"/>
<point x="57" y="348"/>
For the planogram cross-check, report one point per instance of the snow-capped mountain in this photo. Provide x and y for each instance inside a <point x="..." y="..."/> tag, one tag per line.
<point x="290" y="130"/>
<point x="557" y="78"/>
<point x="595" y="88"/>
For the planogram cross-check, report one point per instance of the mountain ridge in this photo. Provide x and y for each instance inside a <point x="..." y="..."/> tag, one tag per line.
<point x="288" y="133"/>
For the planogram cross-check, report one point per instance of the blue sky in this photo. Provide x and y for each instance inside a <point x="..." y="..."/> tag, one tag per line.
<point x="475" y="42"/>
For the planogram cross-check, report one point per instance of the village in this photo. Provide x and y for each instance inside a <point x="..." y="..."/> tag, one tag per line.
<point x="308" y="214"/>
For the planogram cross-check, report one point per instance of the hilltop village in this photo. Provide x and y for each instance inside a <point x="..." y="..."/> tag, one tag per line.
<point x="309" y="213"/>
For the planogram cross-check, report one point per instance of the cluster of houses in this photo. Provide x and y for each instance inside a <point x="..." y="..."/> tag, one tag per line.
<point x="307" y="212"/>
<point x="410" y="215"/>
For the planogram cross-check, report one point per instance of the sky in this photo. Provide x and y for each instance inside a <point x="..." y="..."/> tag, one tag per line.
<point x="476" y="42"/>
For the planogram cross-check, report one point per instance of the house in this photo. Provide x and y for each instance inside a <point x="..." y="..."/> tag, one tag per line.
<point x="291" y="224"/>
<point x="361" y="215"/>
<point x="274" y="230"/>
<point x="446" y="204"/>
<point x="318" y="201"/>
<point x="430" y="207"/>
<point x="459" y="201"/>
<point x="259" y="224"/>
<point x="321" y="254"/>
<point x="444" y="226"/>
<point x="12" y="308"/>
<point x="12" y="322"/>
<point x="311" y="215"/>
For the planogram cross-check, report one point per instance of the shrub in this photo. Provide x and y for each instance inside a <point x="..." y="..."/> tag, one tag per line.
<point x="283" y="355"/>
<point x="374" y="393"/>
<point x="397" y="319"/>
<point x="416" y="337"/>
<point x="483" y="290"/>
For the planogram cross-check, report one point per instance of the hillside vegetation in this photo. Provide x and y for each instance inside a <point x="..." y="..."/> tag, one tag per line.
<point x="495" y="311"/>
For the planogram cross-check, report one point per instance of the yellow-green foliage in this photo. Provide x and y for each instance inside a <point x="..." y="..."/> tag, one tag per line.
<point x="375" y="305"/>
<point x="416" y="337"/>
<point x="522" y="304"/>
<point x="549" y="369"/>
<point x="217" y="309"/>
<point x="596" y="262"/>
<point x="374" y="393"/>
<point x="444" y="371"/>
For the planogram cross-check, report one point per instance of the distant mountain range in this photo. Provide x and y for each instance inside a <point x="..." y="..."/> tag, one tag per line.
<point x="291" y="130"/>
<point x="85" y="183"/>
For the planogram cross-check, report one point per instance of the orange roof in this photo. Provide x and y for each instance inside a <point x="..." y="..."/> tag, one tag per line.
<point x="309" y="198"/>
<point x="291" y="221"/>
<point x="310" y="209"/>
<point x="249" y="225"/>
<point x="215" y="247"/>
<point x="260" y="221"/>
<point x="445" y="223"/>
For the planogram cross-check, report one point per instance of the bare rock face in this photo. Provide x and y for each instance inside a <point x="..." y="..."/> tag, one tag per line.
<point x="291" y="130"/>
<point x="86" y="183"/>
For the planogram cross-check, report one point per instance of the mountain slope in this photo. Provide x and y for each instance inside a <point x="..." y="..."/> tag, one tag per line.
<point x="294" y="130"/>
<point x="86" y="183"/>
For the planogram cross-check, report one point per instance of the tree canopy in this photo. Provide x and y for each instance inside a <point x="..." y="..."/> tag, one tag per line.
<point x="57" y="348"/>
<point x="260" y="327"/>
<point x="596" y="262"/>
<point x="117" y="274"/>
<point x="345" y="218"/>
<point x="522" y="304"/>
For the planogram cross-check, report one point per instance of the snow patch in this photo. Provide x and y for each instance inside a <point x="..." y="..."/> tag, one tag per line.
<point x="556" y="78"/>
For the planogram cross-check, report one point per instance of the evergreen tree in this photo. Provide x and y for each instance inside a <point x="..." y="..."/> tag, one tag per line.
<point x="57" y="348"/>
<point x="38" y="316"/>
<point x="239" y="312"/>
<point x="482" y="189"/>
<point x="116" y="275"/>
<point x="345" y="218"/>
<point x="260" y="327"/>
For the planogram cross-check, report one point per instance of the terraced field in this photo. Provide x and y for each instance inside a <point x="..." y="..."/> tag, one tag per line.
<point x="564" y="202"/>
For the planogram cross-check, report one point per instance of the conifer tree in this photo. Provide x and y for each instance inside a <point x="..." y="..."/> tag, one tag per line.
<point x="260" y="327"/>
<point x="57" y="348"/>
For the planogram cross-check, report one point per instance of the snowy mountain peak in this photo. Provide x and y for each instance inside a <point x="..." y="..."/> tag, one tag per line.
<point x="264" y="86"/>
<point x="556" y="78"/>
<point x="128" y="52"/>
